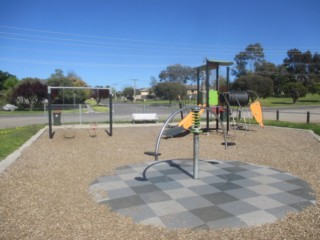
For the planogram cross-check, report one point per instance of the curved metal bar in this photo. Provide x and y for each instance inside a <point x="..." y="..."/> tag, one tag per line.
<point x="250" y="91"/>
<point x="222" y="127"/>
<point x="175" y="113"/>
<point x="229" y="107"/>
<point x="164" y="126"/>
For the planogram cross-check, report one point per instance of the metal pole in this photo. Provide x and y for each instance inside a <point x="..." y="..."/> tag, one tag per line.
<point x="49" y="113"/>
<point x="228" y="109"/>
<point x="277" y="117"/>
<point x="80" y="115"/>
<point x="217" y="89"/>
<point x="196" y="155"/>
<point x="308" y="117"/>
<point x="110" y="114"/>
<point x="198" y="87"/>
<point x="207" y="93"/>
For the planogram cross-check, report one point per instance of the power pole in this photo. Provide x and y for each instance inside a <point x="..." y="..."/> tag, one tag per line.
<point x="134" y="89"/>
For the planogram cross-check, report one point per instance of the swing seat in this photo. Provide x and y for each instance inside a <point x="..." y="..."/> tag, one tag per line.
<point x="69" y="132"/>
<point x="92" y="130"/>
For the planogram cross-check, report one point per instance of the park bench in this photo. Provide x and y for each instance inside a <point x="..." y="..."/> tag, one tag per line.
<point x="144" y="117"/>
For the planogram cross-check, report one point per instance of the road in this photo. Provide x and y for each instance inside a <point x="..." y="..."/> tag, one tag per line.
<point x="123" y="112"/>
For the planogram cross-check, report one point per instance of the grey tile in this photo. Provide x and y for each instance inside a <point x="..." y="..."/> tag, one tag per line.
<point x="248" y="174"/>
<point x="301" y="205"/>
<point x="125" y="202"/>
<point x="224" y="186"/>
<point x="168" y="185"/>
<point x="283" y="176"/>
<point x="120" y="193"/>
<point x="238" y="207"/>
<point x="180" y="193"/>
<point x="231" y="177"/>
<point x="298" y="182"/>
<point x="194" y="202"/>
<point x="257" y="218"/>
<point x="204" y="189"/>
<point x="170" y="171"/>
<point x="230" y="222"/>
<point x="160" y="179"/>
<point x="246" y="182"/>
<point x="138" y="213"/>
<point x="265" y="171"/>
<point x="181" y="220"/>
<point x="284" y="186"/>
<point x="287" y="198"/>
<point x="305" y="193"/>
<point x="235" y="169"/>
<point x="212" y="213"/>
<point x="145" y="188"/>
<point x="281" y="212"/>
<point x="219" y="198"/>
<point x="155" y="196"/>
<point x="167" y="207"/>
<point x="263" y="202"/>
<point x="211" y="179"/>
<point x="242" y="193"/>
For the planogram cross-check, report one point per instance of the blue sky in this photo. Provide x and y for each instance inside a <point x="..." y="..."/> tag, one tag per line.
<point x="111" y="42"/>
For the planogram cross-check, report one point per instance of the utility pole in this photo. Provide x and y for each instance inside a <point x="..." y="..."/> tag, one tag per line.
<point x="134" y="89"/>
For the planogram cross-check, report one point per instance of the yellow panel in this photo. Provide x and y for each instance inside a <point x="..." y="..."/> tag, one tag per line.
<point x="186" y="123"/>
<point x="257" y="112"/>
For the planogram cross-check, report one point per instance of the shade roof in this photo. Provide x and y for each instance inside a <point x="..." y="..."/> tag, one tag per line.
<point x="213" y="64"/>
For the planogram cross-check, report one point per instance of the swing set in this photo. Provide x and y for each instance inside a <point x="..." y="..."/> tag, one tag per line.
<point x="69" y="129"/>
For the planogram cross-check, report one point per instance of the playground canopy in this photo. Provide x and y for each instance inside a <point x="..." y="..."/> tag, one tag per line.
<point x="213" y="64"/>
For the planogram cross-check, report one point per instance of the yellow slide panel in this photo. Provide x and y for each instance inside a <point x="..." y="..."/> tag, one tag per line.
<point x="257" y="112"/>
<point x="186" y="123"/>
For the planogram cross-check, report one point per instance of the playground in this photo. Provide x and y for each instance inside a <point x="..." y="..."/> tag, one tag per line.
<point x="50" y="191"/>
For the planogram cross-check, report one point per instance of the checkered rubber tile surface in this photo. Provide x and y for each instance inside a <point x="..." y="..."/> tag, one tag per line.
<point x="227" y="194"/>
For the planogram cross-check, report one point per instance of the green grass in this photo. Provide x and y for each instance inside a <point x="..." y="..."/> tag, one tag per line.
<point x="95" y="107"/>
<point x="310" y="99"/>
<point x="314" y="127"/>
<point x="12" y="138"/>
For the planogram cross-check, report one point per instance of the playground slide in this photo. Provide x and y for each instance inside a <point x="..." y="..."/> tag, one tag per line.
<point x="257" y="112"/>
<point x="186" y="123"/>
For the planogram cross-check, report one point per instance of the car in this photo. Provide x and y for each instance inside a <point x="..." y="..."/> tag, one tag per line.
<point x="9" y="107"/>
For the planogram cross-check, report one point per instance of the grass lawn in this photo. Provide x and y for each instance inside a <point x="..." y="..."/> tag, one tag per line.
<point x="12" y="138"/>
<point x="310" y="99"/>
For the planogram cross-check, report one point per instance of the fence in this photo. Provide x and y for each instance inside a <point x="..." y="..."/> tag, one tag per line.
<point x="302" y="115"/>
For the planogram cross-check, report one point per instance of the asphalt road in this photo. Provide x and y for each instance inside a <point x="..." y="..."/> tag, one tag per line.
<point x="123" y="112"/>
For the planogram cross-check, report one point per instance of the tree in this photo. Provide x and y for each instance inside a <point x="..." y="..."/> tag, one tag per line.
<point x="263" y="86"/>
<point x="128" y="93"/>
<point x="10" y="83"/>
<point x="30" y="92"/>
<point x="3" y="77"/>
<point x="247" y="61"/>
<point x="99" y="94"/>
<point x="177" y="73"/>
<point x="67" y="96"/>
<point x="296" y="90"/>
<point x="170" y="90"/>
